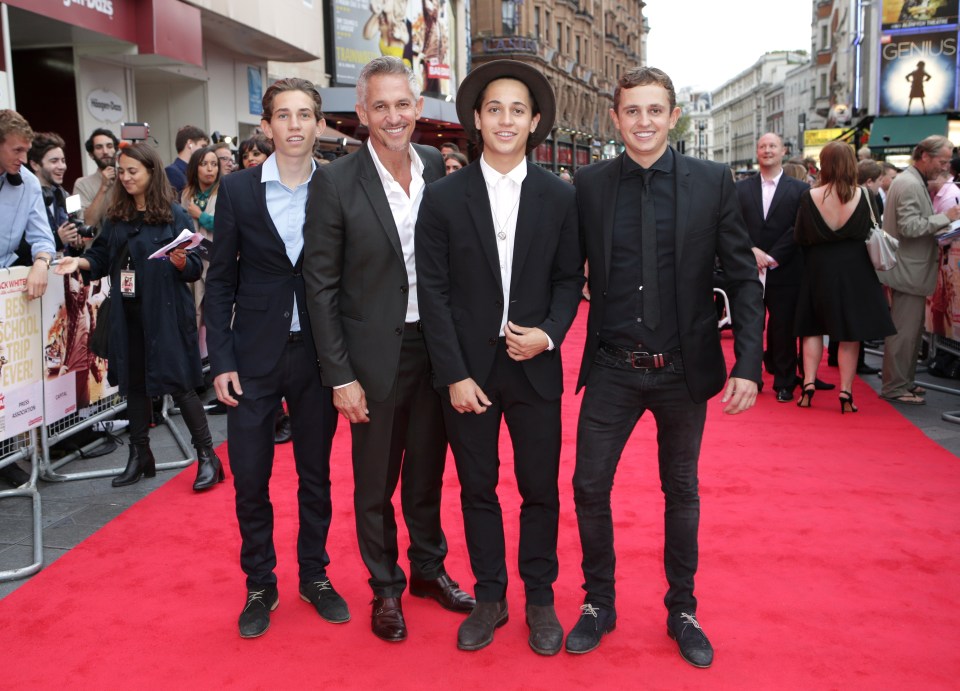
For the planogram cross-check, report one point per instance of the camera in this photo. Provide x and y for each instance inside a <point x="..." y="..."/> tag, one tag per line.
<point x="72" y="205"/>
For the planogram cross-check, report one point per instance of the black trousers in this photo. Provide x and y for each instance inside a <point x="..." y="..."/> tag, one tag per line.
<point x="250" y="428"/>
<point x="780" y="357"/>
<point x="140" y="405"/>
<point x="405" y="438"/>
<point x="534" y="425"/>
<point x="615" y="399"/>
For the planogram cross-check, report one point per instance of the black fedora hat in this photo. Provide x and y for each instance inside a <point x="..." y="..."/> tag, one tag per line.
<point x="539" y="87"/>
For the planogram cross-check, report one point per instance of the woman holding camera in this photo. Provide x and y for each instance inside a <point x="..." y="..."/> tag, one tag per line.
<point x="153" y="328"/>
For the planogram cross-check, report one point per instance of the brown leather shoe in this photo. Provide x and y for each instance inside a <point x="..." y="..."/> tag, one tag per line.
<point x="388" y="622"/>
<point x="546" y="634"/>
<point x="444" y="590"/>
<point x="477" y="630"/>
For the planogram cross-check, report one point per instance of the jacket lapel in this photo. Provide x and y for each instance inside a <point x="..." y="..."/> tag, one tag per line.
<point x="528" y="214"/>
<point x="756" y="191"/>
<point x="373" y="188"/>
<point x="478" y="205"/>
<point x="682" y="200"/>
<point x="779" y="194"/>
<point x="609" y="209"/>
<point x="260" y="194"/>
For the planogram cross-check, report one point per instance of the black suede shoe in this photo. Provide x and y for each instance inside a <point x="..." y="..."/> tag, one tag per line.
<point x="684" y="628"/>
<point x="255" y="617"/>
<point x="476" y="631"/>
<point x="327" y="601"/>
<point x="546" y="634"/>
<point x="594" y="622"/>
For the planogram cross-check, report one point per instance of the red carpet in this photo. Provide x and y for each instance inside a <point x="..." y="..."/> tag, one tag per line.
<point x="828" y="560"/>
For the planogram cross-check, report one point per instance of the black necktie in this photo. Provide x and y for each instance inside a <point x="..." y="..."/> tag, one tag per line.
<point x="648" y="248"/>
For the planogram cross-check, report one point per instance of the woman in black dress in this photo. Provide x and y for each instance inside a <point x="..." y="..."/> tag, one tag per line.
<point x="840" y="294"/>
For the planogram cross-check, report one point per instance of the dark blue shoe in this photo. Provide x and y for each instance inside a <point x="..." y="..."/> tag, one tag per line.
<point x="255" y="617"/>
<point x="593" y="624"/>
<point x="684" y="628"/>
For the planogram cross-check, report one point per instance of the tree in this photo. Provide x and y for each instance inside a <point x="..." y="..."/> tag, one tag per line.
<point x="681" y="130"/>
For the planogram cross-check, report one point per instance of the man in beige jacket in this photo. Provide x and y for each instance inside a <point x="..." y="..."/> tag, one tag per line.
<point x="909" y="216"/>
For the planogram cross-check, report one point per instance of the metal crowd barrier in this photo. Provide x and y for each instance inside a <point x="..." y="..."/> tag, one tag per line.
<point x="104" y="409"/>
<point x="951" y="346"/>
<point x="19" y="447"/>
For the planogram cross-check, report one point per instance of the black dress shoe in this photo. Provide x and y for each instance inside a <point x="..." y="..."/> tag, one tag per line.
<point x="784" y="395"/>
<point x="546" y="634"/>
<point x="444" y="590"/>
<point x="255" y="617"/>
<point x="823" y="386"/>
<point x="282" y="432"/>
<point x="477" y="630"/>
<point x="15" y="476"/>
<point x="594" y="622"/>
<point x="216" y="408"/>
<point x="692" y="641"/>
<point x="387" y="622"/>
<point x="327" y="601"/>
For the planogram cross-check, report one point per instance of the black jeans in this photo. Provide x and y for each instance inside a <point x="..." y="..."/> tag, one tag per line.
<point x="616" y="396"/>
<point x="139" y="404"/>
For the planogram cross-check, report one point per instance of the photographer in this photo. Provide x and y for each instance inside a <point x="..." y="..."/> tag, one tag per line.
<point x="94" y="189"/>
<point x="49" y="164"/>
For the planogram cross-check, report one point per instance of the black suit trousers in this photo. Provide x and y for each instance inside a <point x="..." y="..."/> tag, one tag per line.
<point x="534" y="425"/>
<point x="781" y="354"/>
<point x="404" y="439"/>
<point x="250" y="429"/>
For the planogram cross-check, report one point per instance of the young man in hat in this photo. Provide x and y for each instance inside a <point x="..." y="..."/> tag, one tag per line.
<point x="499" y="287"/>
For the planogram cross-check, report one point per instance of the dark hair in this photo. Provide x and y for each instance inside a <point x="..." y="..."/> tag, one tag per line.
<point x="889" y="166"/>
<point x="291" y="84"/>
<point x="478" y="106"/>
<point x="100" y="131"/>
<point x="193" y="166"/>
<point x="838" y="170"/>
<point x="188" y="133"/>
<point x="159" y="194"/>
<point x="456" y="156"/>
<point x="454" y="149"/>
<point x="955" y="166"/>
<point x="42" y="143"/>
<point x="868" y="170"/>
<point x="642" y="76"/>
<point x="258" y="142"/>
<point x="11" y="122"/>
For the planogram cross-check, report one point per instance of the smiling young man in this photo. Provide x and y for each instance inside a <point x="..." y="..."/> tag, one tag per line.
<point x="500" y="272"/>
<point x="362" y="294"/>
<point x="262" y="351"/>
<point x="652" y="222"/>
<point x="49" y="164"/>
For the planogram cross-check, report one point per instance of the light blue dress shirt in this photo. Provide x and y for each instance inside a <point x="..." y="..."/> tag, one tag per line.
<point x="22" y="211"/>
<point x="288" y="210"/>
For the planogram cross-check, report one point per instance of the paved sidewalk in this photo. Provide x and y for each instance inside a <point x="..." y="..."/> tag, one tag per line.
<point x="74" y="510"/>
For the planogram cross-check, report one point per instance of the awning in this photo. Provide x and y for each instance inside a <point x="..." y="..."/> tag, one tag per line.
<point x="905" y="131"/>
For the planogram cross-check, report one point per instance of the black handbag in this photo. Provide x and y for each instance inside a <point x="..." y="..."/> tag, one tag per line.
<point x="100" y="338"/>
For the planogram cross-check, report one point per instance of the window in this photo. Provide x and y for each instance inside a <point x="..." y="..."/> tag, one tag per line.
<point x="536" y="22"/>
<point x="508" y="13"/>
<point x="823" y="86"/>
<point x="560" y="36"/>
<point x="546" y="27"/>
<point x="824" y="37"/>
<point x="578" y="50"/>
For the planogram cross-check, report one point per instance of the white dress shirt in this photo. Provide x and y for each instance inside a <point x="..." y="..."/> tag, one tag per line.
<point x="405" y="209"/>
<point x="768" y="188"/>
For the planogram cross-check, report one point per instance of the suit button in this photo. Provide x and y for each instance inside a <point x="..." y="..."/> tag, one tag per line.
<point x="398" y="331"/>
<point x="286" y="315"/>
<point x="492" y="341"/>
<point x="604" y="293"/>
<point x="403" y="289"/>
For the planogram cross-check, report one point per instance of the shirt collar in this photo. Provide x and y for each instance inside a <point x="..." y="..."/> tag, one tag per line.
<point x="270" y="172"/>
<point x="775" y="179"/>
<point x="492" y="176"/>
<point x="384" y="174"/>
<point x="664" y="164"/>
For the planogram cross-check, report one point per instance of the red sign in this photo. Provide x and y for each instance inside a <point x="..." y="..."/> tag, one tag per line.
<point x="437" y="71"/>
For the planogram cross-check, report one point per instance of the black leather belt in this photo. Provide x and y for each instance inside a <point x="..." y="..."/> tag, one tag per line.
<point x="412" y="326"/>
<point x="639" y="359"/>
<point x="295" y="337"/>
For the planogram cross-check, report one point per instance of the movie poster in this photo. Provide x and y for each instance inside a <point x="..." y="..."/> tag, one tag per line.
<point x="943" y="307"/>
<point x="74" y="378"/>
<point x="915" y="14"/>
<point x="918" y="73"/>
<point x="417" y="31"/>
<point x="21" y="388"/>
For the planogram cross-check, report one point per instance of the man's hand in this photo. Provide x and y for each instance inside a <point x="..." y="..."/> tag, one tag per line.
<point x="741" y="394"/>
<point x="221" y="384"/>
<point x="68" y="234"/>
<point x="467" y="397"/>
<point x="525" y="342"/>
<point x="178" y="258"/>
<point x="37" y="279"/>
<point x="763" y="259"/>
<point x="351" y="401"/>
<point x="953" y="213"/>
<point x="107" y="176"/>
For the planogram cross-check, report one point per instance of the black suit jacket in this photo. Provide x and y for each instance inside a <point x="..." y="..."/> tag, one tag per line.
<point x="774" y="234"/>
<point x="356" y="279"/>
<point x="251" y="283"/>
<point x="458" y="271"/>
<point x="708" y="225"/>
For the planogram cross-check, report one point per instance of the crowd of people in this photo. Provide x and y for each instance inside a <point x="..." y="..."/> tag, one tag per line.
<point x="424" y="299"/>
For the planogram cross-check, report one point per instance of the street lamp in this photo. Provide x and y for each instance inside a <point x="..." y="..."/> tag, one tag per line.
<point x="701" y="127"/>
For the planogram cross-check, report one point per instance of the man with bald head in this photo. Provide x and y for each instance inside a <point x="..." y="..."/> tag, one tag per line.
<point x="769" y="202"/>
